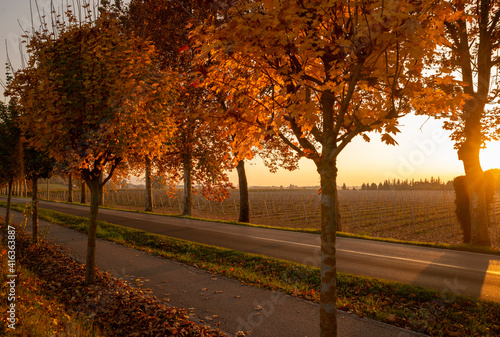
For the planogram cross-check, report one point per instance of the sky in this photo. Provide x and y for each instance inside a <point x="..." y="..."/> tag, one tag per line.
<point x="424" y="148"/>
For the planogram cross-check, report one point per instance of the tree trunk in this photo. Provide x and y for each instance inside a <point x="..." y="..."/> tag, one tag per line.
<point x="83" y="197"/>
<point x="469" y="155"/>
<point x="70" y="188"/>
<point x="101" y="192"/>
<point x="9" y="197"/>
<point x="188" y="199"/>
<point x="330" y="220"/>
<point x="479" y="219"/>
<point x="478" y="80"/>
<point x="149" y="190"/>
<point x="34" y="208"/>
<point x="95" y="196"/>
<point x="243" y="186"/>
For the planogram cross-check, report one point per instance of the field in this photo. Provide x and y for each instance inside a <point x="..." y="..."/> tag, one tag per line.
<point x="425" y="216"/>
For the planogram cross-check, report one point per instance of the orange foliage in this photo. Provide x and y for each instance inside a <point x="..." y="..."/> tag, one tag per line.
<point x="315" y="74"/>
<point x="93" y="97"/>
<point x="285" y="67"/>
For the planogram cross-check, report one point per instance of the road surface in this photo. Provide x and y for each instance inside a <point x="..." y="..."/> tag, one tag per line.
<point x="451" y="272"/>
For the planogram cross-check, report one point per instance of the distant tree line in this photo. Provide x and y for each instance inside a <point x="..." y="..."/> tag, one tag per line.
<point x="407" y="184"/>
<point x="425" y="184"/>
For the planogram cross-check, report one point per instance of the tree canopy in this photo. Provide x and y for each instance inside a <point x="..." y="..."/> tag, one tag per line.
<point x="316" y="74"/>
<point x="470" y="47"/>
<point x="94" y="98"/>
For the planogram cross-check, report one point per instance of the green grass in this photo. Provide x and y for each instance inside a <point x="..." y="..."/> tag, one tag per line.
<point x="399" y="304"/>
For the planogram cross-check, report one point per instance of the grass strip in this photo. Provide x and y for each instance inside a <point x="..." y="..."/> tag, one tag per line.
<point x="407" y="306"/>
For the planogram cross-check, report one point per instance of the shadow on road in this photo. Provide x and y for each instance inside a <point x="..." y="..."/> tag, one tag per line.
<point x="465" y="277"/>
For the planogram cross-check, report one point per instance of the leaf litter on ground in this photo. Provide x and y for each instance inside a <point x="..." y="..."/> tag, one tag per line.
<point x="117" y="308"/>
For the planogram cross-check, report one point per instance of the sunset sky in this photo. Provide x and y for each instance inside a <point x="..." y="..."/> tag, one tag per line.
<point x="424" y="147"/>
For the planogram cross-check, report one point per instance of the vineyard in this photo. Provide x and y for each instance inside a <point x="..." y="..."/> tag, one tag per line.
<point x="426" y="216"/>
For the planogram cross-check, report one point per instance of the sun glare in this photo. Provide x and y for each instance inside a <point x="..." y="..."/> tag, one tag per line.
<point x="490" y="156"/>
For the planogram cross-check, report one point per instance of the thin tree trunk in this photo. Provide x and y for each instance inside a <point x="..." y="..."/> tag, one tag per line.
<point x="243" y="186"/>
<point x="9" y="197"/>
<point x="95" y="195"/>
<point x="70" y="188"/>
<point x="188" y="199"/>
<point x="149" y="190"/>
<point x="34" y="208"/>
<point x="83" y="197"/>
<point x="101" y="192"/>
<point x="330" y="219"/>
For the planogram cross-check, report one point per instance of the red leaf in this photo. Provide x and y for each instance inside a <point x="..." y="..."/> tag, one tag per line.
<point x="183" y="48"/>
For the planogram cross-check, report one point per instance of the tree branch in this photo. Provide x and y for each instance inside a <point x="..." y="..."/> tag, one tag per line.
<point x="116" y="162"/>
<point x="347" y="98"/>
<point x="318" y="135"/>
<point x="291" y="145"/>
<point x="297" y="131"/>
<point x="494" y="22"/>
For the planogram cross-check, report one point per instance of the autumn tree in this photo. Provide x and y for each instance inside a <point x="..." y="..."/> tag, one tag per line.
<point x="316" y="74"/>
<point x="197" y="156"/>
<point x="93" y="96"/>
<point x="37" y="165"/>
<point x="243" y="132"/>
<point x="472" y="42"/>
<point x="11" y="161"/>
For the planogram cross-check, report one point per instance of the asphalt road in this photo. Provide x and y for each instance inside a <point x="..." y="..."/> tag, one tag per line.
<point x="450" y="272"/>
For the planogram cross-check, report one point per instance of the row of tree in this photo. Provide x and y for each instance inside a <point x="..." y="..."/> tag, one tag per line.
<point x="192" y="88"/>
<point x="409" y="184"/>
<point x="492" y="180"/>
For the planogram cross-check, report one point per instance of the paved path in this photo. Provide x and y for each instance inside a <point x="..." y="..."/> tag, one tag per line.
<point x="465" y="273"/>
<point x="215" y="300"/>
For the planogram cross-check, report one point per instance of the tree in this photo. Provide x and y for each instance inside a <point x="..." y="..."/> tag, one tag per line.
<point x="472" y="41"/>
<point x="93" y="97"/>
<point x="11" y="161"/>
<point x="315" y="74"/>
<point x="197" y="156"/>
<point x="38" y="165"/>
